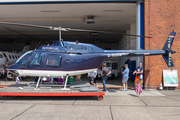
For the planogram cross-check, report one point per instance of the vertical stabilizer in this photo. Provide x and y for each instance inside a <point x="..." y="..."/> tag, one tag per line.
<point x="26" y="47"/>
<point x="167" y="48"/>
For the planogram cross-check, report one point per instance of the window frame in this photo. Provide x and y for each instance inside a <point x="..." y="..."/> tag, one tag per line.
<point x="10" y="56"/>
<point x="58" y="65"/>
<point x="40" y="61"/>
<point x="23" y="56"/>
<point x="1" y="55"/>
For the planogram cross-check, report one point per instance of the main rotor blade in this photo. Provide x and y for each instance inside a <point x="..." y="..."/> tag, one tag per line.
<point x="27" y="25"/>
<point x="82" y="30"/>
<point x="69" y="29"/>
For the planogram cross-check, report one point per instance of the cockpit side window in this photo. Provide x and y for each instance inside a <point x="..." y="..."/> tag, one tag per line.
<point x="1" y="56"/>
<point x="24" y="58"/>
<point x="92" y="49"/>
<point x="82" y="48"/>
<point x="37" y="59"/>
<point x="53" y="60"/>
<point x="70" y="47"/>
<point x="75" y="47"/>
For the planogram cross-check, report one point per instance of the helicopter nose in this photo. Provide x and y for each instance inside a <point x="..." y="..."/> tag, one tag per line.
<point x="14" y="67"/>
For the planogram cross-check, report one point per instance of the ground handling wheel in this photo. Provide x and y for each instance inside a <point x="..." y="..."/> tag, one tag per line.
<point x="100" y="98"/>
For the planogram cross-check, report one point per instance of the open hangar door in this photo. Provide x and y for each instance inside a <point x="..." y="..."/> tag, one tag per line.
<point x="119" y="17"/>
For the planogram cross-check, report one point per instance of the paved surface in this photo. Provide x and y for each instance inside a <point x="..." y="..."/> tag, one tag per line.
<point x="116" y="105"/>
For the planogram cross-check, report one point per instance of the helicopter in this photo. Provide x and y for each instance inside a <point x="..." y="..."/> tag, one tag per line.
<point x="65" y="58"/>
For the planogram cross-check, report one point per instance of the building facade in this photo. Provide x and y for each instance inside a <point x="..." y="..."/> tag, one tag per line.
<point x="161" y="17"/>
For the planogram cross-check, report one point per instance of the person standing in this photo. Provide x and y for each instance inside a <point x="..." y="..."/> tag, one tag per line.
<point x="125" y="77"/>
<point x="139" y="75"/>
<point x="104" y="73"/>
<point x="5" y="72"/>
<point x="138" y="89"/>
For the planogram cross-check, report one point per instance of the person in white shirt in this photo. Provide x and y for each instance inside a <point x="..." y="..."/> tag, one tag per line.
<point x="17" y="79"/>
<point x="92" y="77"/>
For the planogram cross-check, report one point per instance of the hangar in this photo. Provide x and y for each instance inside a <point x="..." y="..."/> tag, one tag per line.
<point x="122" y="16"/>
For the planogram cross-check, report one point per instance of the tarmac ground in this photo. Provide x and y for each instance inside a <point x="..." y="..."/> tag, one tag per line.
<point x="116" y="105"/>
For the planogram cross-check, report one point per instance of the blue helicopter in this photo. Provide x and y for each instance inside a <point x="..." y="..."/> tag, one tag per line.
<point x="64" y="58"/>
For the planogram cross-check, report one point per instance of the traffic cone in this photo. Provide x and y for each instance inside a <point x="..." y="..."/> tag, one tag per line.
<point x="161" y="88"/>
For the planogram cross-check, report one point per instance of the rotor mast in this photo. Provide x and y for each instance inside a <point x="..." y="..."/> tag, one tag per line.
<point x="59" y="33"/>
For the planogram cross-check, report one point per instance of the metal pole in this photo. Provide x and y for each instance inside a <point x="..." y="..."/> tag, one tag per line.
<point x="59" y="33"/>
<point x="138" y="31"/>
<point x="66" y="82"/>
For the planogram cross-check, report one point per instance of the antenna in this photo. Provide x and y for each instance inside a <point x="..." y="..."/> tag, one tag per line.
<point x="38" y="44"/>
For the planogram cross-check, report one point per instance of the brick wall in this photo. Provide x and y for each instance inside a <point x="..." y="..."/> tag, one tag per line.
<point x="161" y="17"/>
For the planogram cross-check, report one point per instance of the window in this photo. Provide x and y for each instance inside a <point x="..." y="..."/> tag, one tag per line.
<point x="85" y="48"/>
<point x="24" y="58"/>
<point x="70" y="47"/>
<point x="82" y="48"/>
<point x="37" y="59"/>
<point x="75" y="47"/>
<point x="9" y="56"/>
<point x="13" y="56"/>
<point x="53" y="60"/>
<point x="1" y="56"/>
<point x="92" y="49"/>
<point x="114" y="65"/>
<point x="5" y="55"/>
<point x="108" y="65"/>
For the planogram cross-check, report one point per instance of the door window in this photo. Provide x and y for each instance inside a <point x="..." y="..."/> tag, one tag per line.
<point x="53" y="60"/>
<point x="37" y="59"/>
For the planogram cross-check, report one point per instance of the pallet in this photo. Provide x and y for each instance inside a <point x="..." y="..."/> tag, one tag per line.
<point x="18" y="90"/>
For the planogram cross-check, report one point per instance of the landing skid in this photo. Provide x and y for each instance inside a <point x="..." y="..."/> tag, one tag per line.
<point x="65" y="84"/>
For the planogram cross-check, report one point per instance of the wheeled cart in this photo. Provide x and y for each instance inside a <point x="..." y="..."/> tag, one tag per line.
<point x="25" y="90"/>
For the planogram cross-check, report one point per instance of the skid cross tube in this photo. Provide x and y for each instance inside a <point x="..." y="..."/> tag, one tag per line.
<point x="38" y="82"/>
<point x="65" y="84"/>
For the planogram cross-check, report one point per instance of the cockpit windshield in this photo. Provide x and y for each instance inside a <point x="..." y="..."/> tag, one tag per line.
<point x="1" y="56"/>
<point x="24" y="58"/>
